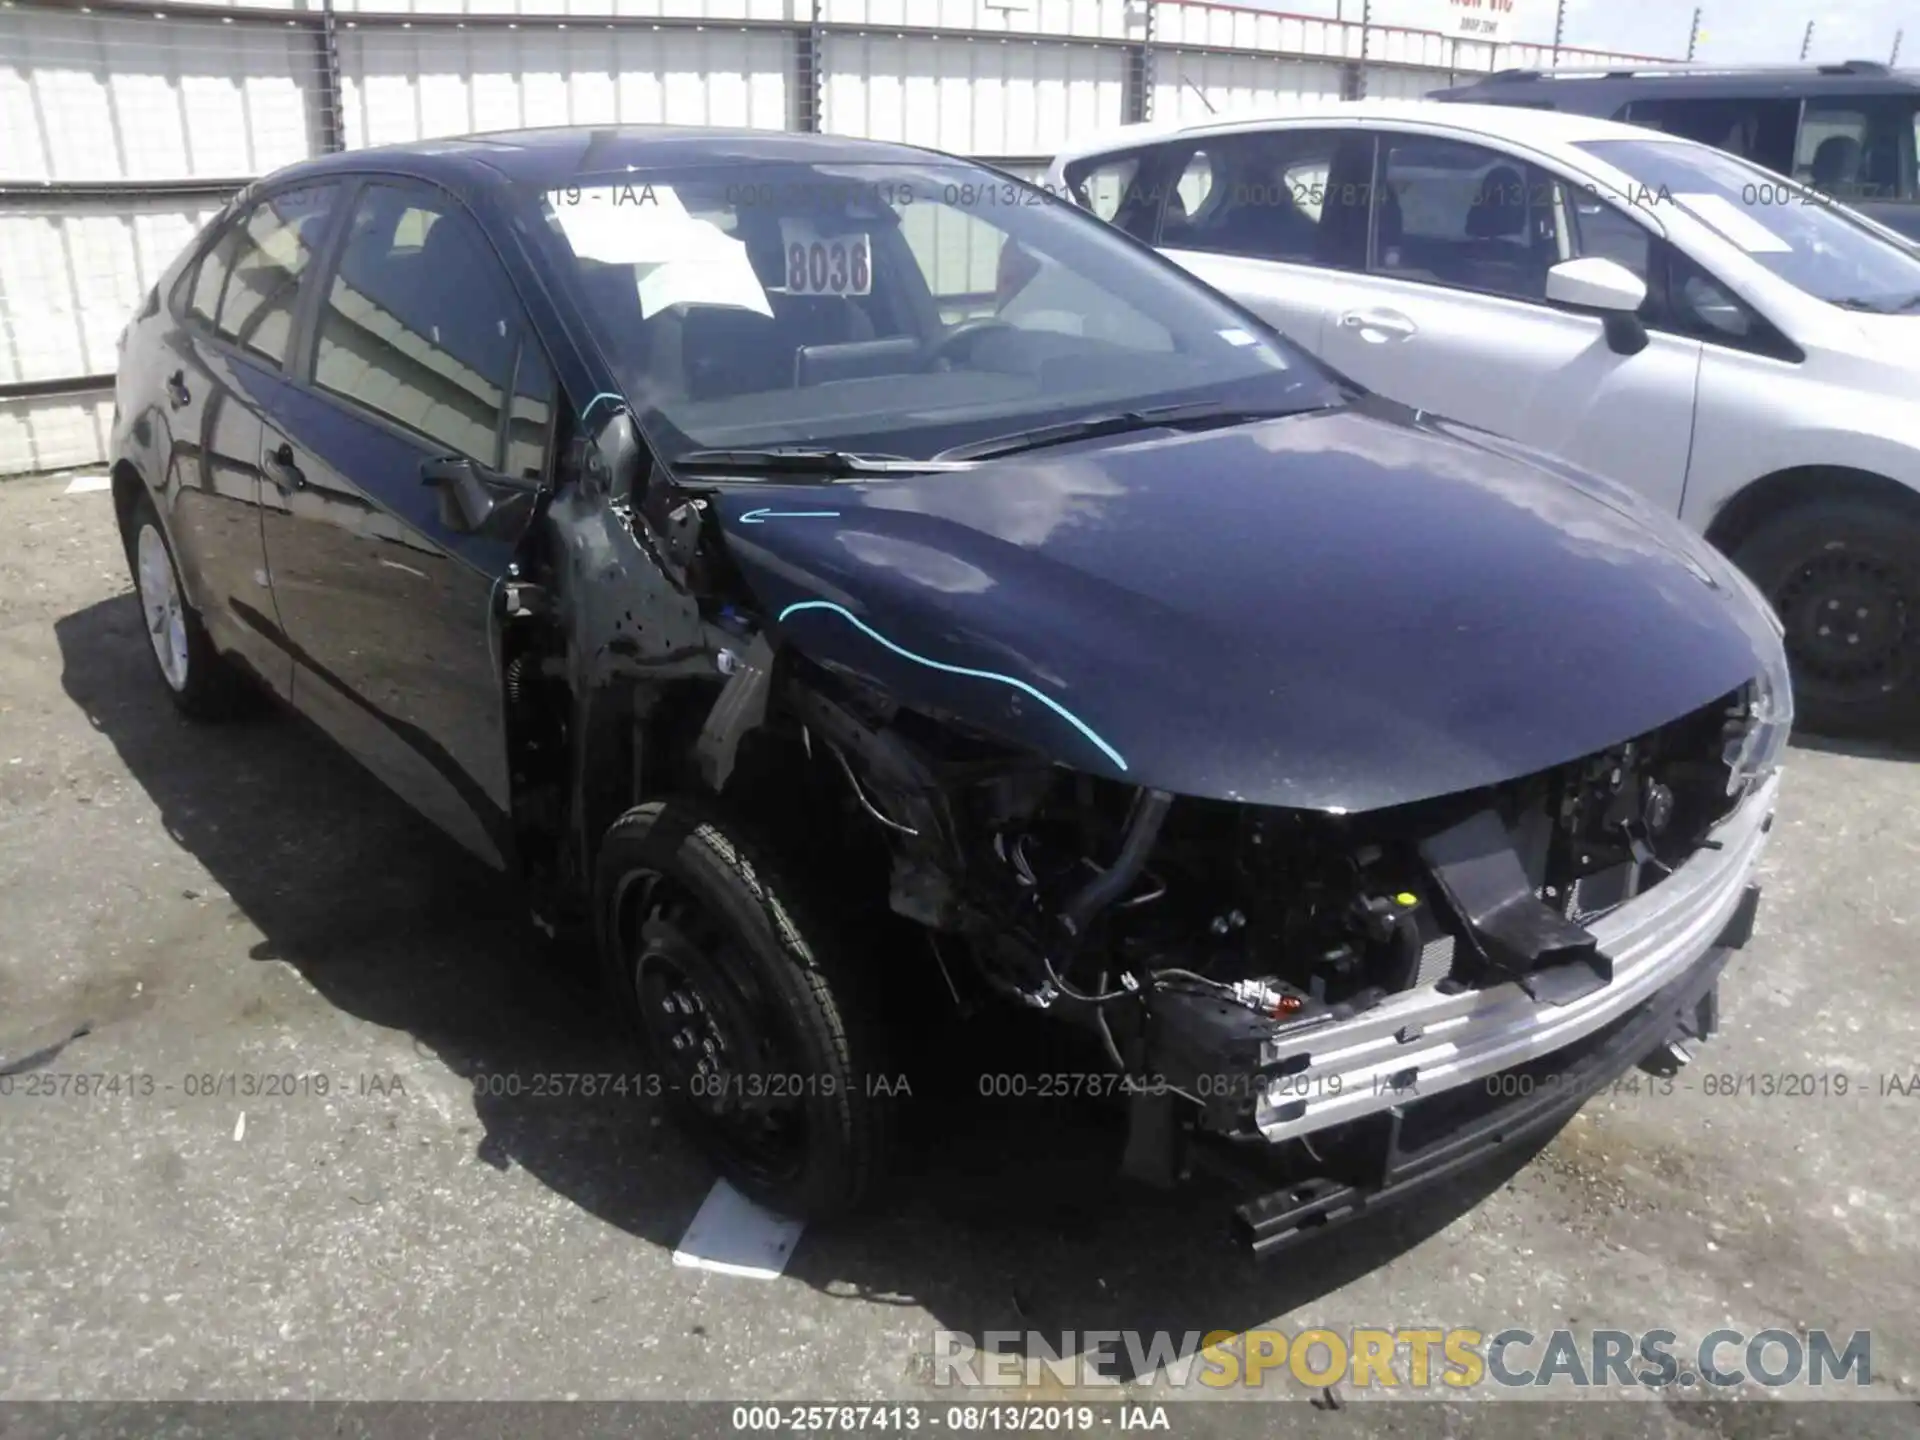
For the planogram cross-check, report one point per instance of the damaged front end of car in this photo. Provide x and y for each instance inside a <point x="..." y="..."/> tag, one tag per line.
<point x="1339" y="918"/>
<point x="1351" y="1001"/>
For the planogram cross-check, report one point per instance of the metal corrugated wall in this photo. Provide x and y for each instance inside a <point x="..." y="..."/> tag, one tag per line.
<point x="123" y="126"/>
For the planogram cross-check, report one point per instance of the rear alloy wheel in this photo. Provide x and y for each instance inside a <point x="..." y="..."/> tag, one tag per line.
<point x="1844" y="576"/>
<point x="744" y="1006"/>
<point x="197" y="677"/>
<point x="162" y="607"/>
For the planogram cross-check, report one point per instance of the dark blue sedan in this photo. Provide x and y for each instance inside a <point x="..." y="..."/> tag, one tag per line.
<point x="857" y="590"/>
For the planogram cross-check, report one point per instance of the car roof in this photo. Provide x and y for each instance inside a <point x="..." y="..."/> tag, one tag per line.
<point x="1605" y="90"/>
<point x="550" y="158"/>
<point x="1534" y="129"/>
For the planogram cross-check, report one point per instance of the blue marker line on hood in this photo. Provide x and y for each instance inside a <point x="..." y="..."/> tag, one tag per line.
<point x="1022" y="686"/>
<point x="761" y="516"/>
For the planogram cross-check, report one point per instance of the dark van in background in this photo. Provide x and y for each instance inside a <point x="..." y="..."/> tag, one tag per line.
<point x="1847" y="130"/>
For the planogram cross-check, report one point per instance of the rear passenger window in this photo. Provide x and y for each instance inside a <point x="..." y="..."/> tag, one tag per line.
<point x="1195" y="184"/>
<point x="1258" y="195"/>
<point x="1465" y="216"/>
<point x="203" y="302"/>
<point x="420" y="325"/>
<point x="1111" y="190"/>
<point x="273" y="247"/>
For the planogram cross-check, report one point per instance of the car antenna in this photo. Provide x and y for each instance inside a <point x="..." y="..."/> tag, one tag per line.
<point x="1198" y="92"/>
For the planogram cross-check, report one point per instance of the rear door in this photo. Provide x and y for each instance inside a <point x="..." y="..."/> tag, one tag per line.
<point x="1276" y="219"/>
<point x="1451" y="315"/>
<point x="418" y="354"/>
<point x="226" y="352"/>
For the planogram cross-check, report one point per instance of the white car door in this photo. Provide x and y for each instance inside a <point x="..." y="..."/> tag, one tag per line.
<point x="1451" y="316"/>
<point x="1259" y="215"/>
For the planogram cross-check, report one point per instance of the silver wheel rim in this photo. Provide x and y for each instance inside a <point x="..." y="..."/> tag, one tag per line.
<point x="160" y="603"/>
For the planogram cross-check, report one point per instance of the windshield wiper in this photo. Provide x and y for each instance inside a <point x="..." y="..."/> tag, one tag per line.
<point x="1195" y="414"/>
<point x="824" y="464"/>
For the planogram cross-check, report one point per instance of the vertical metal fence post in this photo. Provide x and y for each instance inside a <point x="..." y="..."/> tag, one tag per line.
<point x="331" y="125"/>
<point x="1357" y="74"/>
<point x="1136" y="95"/>
<point x="809" y="41"/>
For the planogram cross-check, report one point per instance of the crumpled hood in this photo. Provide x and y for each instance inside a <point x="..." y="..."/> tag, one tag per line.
<point x="1344" y="610"/>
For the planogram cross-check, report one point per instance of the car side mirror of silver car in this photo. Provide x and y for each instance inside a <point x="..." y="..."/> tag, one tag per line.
<point x="1607" y="288"/>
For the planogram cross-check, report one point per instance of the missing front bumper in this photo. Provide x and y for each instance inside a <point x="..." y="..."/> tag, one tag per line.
<point x="1424" y="1042"/>
<point x="1413" y="1145"/>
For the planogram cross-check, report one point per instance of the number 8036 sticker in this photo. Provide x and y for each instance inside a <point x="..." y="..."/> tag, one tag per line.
<point x="826" y="264"/>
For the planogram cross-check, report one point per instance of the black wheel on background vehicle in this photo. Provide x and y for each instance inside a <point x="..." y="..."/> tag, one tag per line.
<point x="200" y="681"/>
<point x="1844" y="576"/>
<point x="744" y="1005"/>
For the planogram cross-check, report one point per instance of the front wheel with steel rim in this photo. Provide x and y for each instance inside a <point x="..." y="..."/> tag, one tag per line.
<point x="748" y="1007"/>
<point x="198" y="679"/>
<point x="1844" y="577"/>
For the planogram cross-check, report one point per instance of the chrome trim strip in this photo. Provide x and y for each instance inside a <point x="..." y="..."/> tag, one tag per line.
<point x="1455" y="1039"/>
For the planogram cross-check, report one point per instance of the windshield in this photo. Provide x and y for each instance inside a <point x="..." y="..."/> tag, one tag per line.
<point x="893" y="309"/>
<point x="1799" y="234"/>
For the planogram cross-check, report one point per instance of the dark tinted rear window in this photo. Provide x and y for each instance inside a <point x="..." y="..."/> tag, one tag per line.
<point x="271" y="248"/>
<point x="210" y="277"/>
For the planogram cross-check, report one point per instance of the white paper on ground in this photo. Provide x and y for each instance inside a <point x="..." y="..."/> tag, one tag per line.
<point x="734" y="1236"/>
<point x="87" y="485"/>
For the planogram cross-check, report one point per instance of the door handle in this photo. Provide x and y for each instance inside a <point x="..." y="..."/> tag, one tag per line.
<point x="177" y="392"/>
<point x="283" y="470"/>
<point x="1385" y="324"/>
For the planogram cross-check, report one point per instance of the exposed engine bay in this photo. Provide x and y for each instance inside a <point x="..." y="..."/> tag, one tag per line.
<point x="1190" y="934"/>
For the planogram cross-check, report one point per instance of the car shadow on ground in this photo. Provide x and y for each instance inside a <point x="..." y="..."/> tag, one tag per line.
<point x="1004" y="1215"/>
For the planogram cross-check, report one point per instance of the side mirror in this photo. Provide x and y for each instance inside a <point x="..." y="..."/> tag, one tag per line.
<point x="1608" y="289"/>
<point x="467" y="502"/>
<point x="617" y="460"/>
<point x="1596" y="283"/>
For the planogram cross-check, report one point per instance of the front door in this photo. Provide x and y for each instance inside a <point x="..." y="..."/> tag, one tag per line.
<point x="1451" y="315"/>
<point x="419" y="353"/>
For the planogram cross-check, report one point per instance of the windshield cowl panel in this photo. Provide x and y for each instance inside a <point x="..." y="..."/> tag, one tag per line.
<point x="893" y="309"/>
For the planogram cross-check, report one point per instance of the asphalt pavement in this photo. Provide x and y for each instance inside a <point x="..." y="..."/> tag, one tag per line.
<point x="369" y="1209"/>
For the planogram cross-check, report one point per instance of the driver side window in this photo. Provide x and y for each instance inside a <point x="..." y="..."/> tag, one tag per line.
<point x="1464" y="216"/>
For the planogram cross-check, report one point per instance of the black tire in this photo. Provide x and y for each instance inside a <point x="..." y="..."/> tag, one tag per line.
<point x="1844" y="575"/>
<point x="690" y="905"/>
<point x="204" y="685"/>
